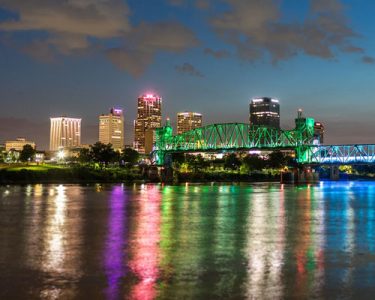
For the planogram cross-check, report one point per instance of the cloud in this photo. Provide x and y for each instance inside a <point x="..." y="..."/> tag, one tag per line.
<point x="141" y="45"/>
<point x="202" y="4"/>
<point x="353" y="49"/>
<point x="189" y="69"/>
<point x="69" y="23"/>
<point x="217" y="54"/>
<point x="368" y="60"/>
<point x="256" y="28"/>
<point x="83" y="26"/>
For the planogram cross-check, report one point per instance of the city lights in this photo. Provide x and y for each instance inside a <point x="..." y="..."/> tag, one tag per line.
<point x="61" y="154"/>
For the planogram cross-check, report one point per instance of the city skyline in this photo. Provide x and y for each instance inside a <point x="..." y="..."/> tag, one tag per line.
<point x="296" y="56"/>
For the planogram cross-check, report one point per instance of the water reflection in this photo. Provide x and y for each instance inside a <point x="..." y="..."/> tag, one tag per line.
<point x="61" y="255"/>
<point x="265" y="245"/>
<point x="265" y="241"/>
<point x="144" y="246"/>
<point x="54" y="235"/>
<point x="114" y="259"/>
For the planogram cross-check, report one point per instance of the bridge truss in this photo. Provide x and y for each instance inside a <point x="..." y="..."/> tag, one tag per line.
<point x="231" y="137"/>
<point x="340" y="154"/>
<point x="241" y="136"/>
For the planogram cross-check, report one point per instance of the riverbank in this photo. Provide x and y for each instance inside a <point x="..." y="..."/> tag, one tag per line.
<point x="71" y="174"/>
<point x="24" y="174"/>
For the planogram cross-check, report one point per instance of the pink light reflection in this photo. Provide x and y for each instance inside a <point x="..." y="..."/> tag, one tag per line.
<point x="145" y="247"/>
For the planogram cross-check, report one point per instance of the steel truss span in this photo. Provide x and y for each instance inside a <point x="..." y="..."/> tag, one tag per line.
<point x="341" y="154"/>
<point x="242" y="136"/>
<point x="232" y="136"/>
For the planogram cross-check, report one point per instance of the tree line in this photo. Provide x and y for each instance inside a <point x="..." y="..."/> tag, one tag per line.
<point x="104" y="154"/>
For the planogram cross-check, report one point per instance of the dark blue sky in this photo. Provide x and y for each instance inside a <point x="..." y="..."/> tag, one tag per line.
<point x="81" y="57"/>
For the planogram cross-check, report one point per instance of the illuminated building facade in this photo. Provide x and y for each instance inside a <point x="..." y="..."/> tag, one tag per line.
<point x="319" y="132"/>
<point x="111" y="129"/>
<point x="148" y="117"/>
<point x="18" y="144"/>
<point x="188" y="121"/>
<point x="65" y="133"/>
<point x="265" y="112"/>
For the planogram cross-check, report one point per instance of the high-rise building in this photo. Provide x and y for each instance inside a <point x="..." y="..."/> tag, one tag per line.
<point x="265" y="112"/>
<point x="319" y="132"/>
<point x="148" y="117"/>
<point x="65" y="133"/>
<point x="111" y="129"/>
<point x="149" y="139"/>
<point x="188" y="121"/>
<point x="18" y="144"/>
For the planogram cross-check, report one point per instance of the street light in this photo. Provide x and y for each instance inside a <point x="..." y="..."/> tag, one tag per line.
<point x="60" y="155"/>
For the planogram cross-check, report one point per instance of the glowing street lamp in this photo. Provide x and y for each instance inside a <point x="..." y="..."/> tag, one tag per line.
<point x="61" y="155"/>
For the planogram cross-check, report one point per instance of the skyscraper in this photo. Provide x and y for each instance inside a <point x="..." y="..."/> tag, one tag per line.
<point x="319" y="132"/>
<point x="148" y="118"/>
<point x="265" y="112"/>
<point x="65" y="132"/>
<point x="111" y="128"/>
<point x="188" y="121"/>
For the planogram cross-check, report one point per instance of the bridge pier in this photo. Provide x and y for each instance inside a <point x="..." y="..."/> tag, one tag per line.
<point x="334" y="173"/>
<point x="300" y="176"/>
<point x="166" y="175"/>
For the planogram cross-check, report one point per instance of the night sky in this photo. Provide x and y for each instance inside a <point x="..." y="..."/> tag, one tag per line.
<point x="81" y="57"/>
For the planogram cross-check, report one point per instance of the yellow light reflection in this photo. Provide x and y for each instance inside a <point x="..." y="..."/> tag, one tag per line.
<point x="265" y="245"/>
<point x="54" y="239"/>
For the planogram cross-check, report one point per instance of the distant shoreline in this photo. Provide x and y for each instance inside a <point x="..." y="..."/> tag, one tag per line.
<point x="46" y="174"/>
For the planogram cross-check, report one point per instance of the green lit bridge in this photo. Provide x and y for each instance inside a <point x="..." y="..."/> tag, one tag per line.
<point x="240" y="136"/>
<point x="234" y="137"/>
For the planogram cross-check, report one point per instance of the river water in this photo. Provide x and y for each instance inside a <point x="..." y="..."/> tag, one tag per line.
<point x="246" y="241"/>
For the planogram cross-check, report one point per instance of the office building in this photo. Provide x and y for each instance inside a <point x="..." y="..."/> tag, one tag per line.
<point x="65" y="133"/>
<point x="149" y="139"/>
<point x="265" y="112"/>
<point x="188" y="121"/>
<point x="18" y="144"/>
<point x="148" y="117"/>
<point x="111" y="129"/>
<point x="319" y="133"/>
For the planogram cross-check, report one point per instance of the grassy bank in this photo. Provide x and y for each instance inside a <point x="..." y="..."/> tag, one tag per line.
<point x="65" y="174"/>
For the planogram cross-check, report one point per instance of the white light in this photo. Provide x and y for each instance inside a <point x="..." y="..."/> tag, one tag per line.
<point x="60" y="154"/>
<point x="274" y="100"/>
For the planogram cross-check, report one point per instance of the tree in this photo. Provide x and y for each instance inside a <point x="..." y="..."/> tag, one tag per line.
<point x="276" y="160"/>
<point x="195" y="162"/>
<point x="103" y="153"/>
<point x="27" y="153"/>
<point x="254" y="162"/>
<point x="84" y="155"/>
<point x="130" y="156"/>
<point x="178" y="158"/>
<point x="231" y="161"/>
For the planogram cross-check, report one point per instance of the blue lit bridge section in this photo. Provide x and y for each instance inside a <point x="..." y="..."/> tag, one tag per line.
<point x="342" y="154"/>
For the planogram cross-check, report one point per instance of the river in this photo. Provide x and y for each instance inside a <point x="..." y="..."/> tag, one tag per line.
<point x="243" y="241"/>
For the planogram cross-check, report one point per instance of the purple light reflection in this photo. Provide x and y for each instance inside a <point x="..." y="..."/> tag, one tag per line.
<point x="114" y="253"/>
